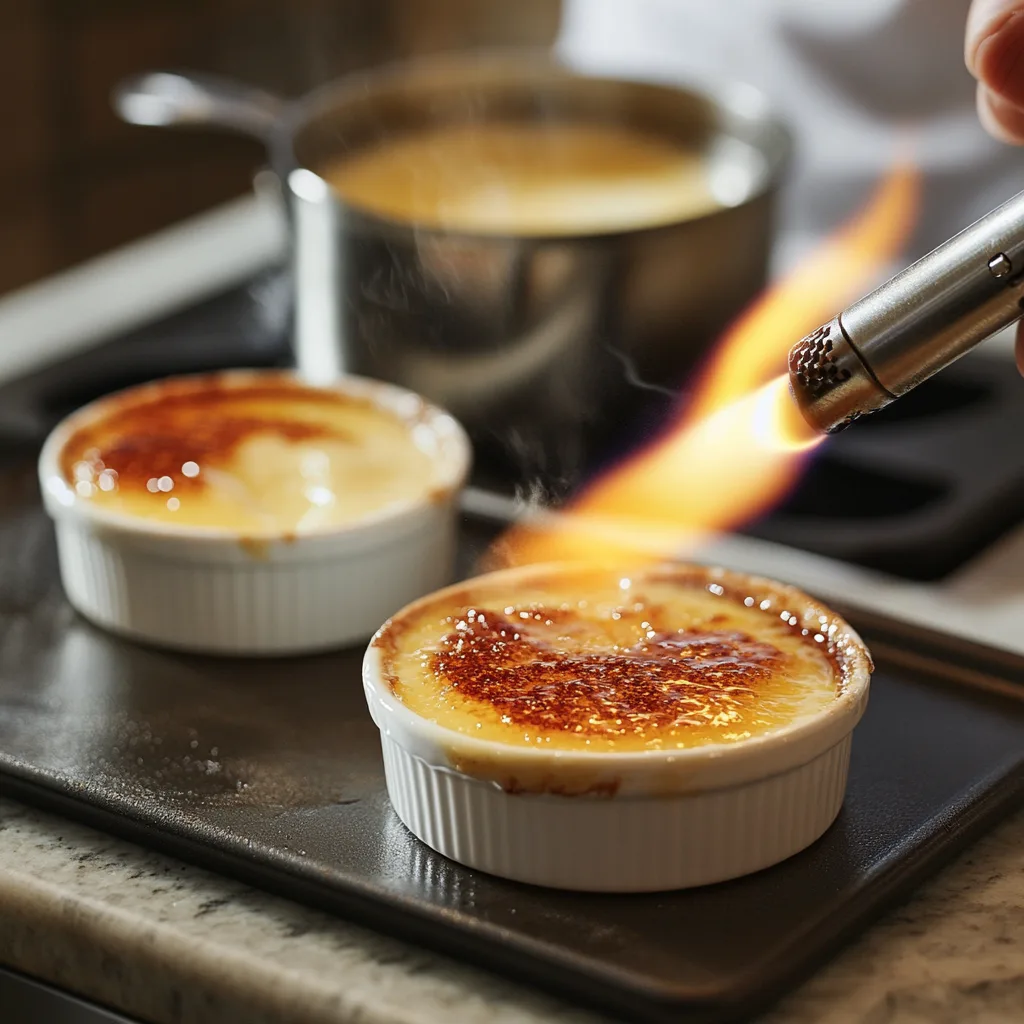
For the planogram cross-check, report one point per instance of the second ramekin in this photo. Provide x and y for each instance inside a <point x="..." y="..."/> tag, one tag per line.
<point x="210" y="590"/>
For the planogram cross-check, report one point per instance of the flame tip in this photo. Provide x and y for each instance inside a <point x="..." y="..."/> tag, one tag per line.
<point x="743" y="441"/>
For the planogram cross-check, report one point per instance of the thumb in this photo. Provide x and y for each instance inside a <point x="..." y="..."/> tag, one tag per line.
<point x="994" y="52"/>
<point x="994" y="46"/>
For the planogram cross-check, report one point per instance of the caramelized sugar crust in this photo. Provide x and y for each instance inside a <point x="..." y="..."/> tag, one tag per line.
<point x="266" y="455"/>
<point x="517" y="668"/>
<point x="203" y="419"/>
<point x="670" y="659"/>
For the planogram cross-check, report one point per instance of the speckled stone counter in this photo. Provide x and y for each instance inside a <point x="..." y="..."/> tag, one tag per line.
<point x="167" y="942"/>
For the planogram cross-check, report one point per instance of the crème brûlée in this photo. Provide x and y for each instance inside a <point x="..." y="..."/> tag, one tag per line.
<point x="614" y="662"/>
<point x="611" y="730"/>
<point x="260" y="454"/>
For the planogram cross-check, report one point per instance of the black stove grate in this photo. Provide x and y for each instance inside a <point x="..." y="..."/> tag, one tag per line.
<point x="915" y="490"/>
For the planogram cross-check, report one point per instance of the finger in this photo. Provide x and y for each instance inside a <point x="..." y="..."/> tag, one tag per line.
<point x="1000" y="118"/>
<point x="994" y="46"/>
<point x="1020" y="347"/>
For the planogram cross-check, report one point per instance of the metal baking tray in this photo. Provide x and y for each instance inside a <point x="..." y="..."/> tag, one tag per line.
<point x="270" y="771"/>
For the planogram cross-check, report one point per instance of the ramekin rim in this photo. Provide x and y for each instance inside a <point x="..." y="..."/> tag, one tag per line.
<point x="454" y="462"/>
<point x="829" y="724"/>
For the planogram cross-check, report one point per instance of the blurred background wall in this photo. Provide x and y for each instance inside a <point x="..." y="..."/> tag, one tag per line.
<point x="75" y="182"/>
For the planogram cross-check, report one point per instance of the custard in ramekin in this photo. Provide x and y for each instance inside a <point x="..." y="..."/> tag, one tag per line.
<point x="246" y="512"/>
<point x="612" y="731"/>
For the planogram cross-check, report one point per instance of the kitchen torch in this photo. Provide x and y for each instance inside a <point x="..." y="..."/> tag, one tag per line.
<point x="922" y="320"/>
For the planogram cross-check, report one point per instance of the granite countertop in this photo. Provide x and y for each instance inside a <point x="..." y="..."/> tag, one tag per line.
<point x="168" y="942"/>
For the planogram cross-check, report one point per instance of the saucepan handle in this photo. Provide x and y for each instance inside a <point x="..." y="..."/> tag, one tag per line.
<point x="172" y="98"/>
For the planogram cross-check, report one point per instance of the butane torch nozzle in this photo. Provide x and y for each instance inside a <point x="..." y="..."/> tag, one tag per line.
<point x="914" y="325"/>
<point x="830" y="382"/>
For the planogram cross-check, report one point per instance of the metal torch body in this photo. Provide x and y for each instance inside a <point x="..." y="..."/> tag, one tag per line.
<point x="911" y="327"/>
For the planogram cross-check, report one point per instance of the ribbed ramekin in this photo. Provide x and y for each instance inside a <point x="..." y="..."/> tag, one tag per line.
<point x="211" y="590"/>
<point x="638" y="822"/>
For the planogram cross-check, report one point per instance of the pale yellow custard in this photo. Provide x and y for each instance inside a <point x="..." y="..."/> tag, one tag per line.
<point x="263" y="456"/>
<point x="527" y="179"/>
<point x="610" y="661"/>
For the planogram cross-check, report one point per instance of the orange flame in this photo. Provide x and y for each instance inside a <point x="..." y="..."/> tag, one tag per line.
<point x="739" y="446"/>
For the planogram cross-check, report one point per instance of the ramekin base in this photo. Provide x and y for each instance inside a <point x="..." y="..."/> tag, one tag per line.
<point x="256" y="606"/>
<point x="617" y="844"/>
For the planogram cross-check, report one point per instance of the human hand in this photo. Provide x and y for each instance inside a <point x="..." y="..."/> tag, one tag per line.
<point x="994" y="51"/>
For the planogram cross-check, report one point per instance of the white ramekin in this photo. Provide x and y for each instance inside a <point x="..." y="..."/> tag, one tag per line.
<point x="213" y="591"/>
<point x="631" y="822"/>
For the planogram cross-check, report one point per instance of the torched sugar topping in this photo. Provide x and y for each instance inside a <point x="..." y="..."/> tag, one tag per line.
<point x="663" y="680"/>
<point x="630" y="663"/>
<point x="264" y="456"/>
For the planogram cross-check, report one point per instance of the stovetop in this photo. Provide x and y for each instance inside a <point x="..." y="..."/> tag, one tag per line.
<point x="916" y="490"/>
<point x="921" y="491"/>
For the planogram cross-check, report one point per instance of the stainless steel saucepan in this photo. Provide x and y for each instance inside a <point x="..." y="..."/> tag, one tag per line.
<point x="531" y="341"/>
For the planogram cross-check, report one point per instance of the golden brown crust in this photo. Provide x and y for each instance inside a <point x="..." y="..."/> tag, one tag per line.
<point x="151" y="432"/>
<point x="511" y="662"/>
<point x="511" y="666"/>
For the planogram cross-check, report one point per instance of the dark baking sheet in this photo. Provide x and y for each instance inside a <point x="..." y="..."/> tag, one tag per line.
<point x="270" y="771"/>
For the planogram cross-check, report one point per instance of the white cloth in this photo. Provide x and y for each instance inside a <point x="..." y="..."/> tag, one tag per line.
<point x="853" y="78"/>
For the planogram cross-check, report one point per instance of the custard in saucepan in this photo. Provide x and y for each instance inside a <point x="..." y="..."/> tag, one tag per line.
<point x="525" y="178"/>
